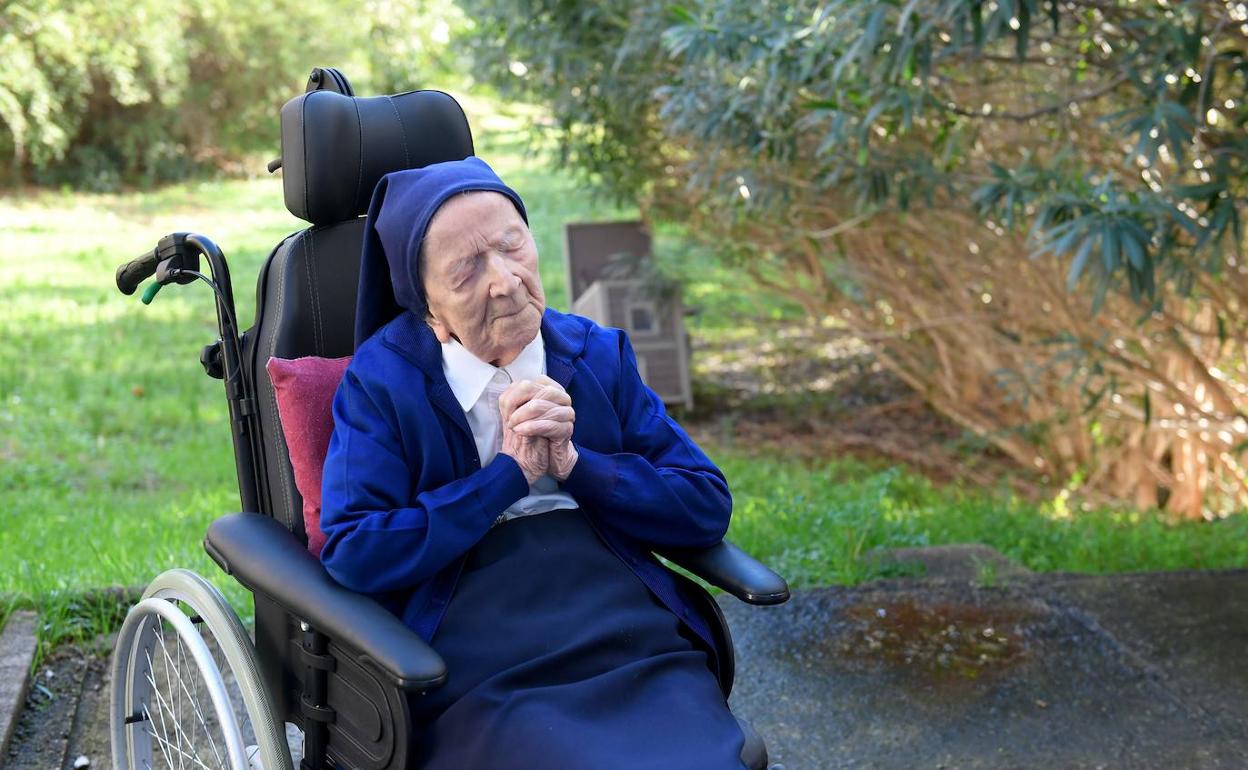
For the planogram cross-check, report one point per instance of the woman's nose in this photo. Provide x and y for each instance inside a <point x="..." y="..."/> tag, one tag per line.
<point x="503" y="280"/>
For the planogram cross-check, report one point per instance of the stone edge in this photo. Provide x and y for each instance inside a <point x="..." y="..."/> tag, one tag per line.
<point x="18" y="643"/>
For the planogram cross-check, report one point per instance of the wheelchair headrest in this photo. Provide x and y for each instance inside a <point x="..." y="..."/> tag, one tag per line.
<point x="335" y="148"/>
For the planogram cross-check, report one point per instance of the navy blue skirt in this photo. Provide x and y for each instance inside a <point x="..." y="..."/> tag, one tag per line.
<point x="559" y="656"/>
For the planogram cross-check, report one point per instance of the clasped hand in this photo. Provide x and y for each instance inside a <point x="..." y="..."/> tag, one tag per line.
<point x="537" y="419"/>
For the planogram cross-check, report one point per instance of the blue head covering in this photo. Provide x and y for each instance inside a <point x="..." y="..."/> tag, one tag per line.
<point x="398" y="217"/>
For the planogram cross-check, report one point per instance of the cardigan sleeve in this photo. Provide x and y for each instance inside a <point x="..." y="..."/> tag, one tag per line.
<point x="380" y="535"/>
<point x="661" y="489"/>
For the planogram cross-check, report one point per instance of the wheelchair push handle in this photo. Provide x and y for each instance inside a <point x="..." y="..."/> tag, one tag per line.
<point x="171" y="261"/>
<point x="136" y="271"/>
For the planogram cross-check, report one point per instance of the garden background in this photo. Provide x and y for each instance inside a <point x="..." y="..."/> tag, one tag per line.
<point x="961" y="271"/>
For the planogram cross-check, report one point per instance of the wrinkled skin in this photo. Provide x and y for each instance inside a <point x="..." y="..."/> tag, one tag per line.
<point x="480" y="277"/>
<point x="541" y="409"/>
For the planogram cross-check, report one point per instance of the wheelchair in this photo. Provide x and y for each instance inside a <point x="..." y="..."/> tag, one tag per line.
<point x="190" y="686"/>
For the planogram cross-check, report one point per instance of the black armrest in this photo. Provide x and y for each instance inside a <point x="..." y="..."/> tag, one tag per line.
<point x="262" y="555"/>
<point x="735" y="571"/>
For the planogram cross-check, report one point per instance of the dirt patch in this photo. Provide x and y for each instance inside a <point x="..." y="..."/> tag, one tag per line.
<point x="943" y="641"/>
<point x="797" y="392"/>
<point x="66" y="715"/>
<point x="64" y="693"/>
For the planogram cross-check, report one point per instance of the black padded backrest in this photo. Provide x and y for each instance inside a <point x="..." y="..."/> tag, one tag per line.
<point x="305" y="306"/>
<point x="334" y="150"/>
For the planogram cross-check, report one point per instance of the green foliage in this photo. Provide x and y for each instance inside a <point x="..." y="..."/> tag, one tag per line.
<point x="1115" y="130"/>
<point x="408" y="46"/>
<point x="818" y="524"/>
<point x="101" y="93"/>
<point x="114" y="448"/>
<point x="584" y="60"/>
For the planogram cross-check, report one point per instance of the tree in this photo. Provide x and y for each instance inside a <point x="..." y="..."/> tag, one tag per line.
<point x="100" y="93"/>
<point x="1031" y="209"/>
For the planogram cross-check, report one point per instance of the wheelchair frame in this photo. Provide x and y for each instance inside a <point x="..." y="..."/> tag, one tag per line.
<point x="335" y="663"/>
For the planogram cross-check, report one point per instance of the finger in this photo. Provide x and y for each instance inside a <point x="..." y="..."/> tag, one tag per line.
<point x="515" y="395"/>
<point x="553" y="393"/>
<point x="530" y="427"/>
<point x="557" y="414"/>
<point x="518" y="391"/>
<point x="546" y="429"/>
<point x="537" y="404"/>
<point x="549" y="385"/>
<point x="552" y="430"/>
<point x="541" y="409"/>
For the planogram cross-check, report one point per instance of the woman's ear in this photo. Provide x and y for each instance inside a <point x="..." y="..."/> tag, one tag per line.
<point x="439" y="329"/>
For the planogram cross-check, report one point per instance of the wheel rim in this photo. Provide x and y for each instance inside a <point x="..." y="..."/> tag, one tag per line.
<point x="180" y="713"/>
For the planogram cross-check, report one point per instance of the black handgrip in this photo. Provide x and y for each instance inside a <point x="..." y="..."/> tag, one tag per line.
<point x="135" y="272"/>
<point x="171" y="249"/>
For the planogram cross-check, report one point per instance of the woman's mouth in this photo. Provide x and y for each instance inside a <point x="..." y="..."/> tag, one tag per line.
<point x="509" y="315"/>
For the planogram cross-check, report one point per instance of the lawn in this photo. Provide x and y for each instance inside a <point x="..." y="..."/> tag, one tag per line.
<point x="115" y="455"/>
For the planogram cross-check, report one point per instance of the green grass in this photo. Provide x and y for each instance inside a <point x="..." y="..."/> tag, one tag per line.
<point x="815" y="524"/>
<point x="115" y="453"/>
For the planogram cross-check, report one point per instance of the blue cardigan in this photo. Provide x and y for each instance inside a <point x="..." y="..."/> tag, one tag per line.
<point x="405" y="497"/>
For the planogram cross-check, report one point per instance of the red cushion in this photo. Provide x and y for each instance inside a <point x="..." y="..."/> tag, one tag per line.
<point x="305" y="396"/>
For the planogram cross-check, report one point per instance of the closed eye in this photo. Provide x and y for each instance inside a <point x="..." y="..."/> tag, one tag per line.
<point x="464" y="270"/>
<point x="511" y="240"/>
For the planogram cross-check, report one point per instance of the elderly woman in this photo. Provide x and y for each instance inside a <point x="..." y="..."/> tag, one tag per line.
<point x="498" y="474"/>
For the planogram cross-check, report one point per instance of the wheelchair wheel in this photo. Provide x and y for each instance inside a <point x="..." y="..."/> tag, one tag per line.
<point x="186" y="688"/>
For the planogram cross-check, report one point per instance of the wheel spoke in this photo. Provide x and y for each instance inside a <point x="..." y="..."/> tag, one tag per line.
<point x="168" y="759"/>
<point x="174" y="698"/>
<point x="178" y="733"/>
<point x="182" y="754"/>
<point x="177" y="729"/>
<point x="195" y="689"/>
<point x="178" y="701"/>
<point x="160" y="632"/>
<point x="199" y="710"/>
<point x="151" y="680"/>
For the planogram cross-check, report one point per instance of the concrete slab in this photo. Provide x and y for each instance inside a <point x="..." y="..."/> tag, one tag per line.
<point x="1077" y="672"/>
<point x="90" y="735"/>
<point x="17" y="652"/>
<point x="1188" y="630"/>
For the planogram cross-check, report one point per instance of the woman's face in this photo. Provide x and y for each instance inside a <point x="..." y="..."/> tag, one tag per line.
<point x="480" y="276"/>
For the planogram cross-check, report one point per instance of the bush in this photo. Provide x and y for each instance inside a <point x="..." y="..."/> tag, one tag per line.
<point x="1031" y="210"/>
<point x="100" y="93"/>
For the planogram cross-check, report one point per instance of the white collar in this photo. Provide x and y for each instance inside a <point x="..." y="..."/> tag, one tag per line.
<point x="468" y="375"/>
